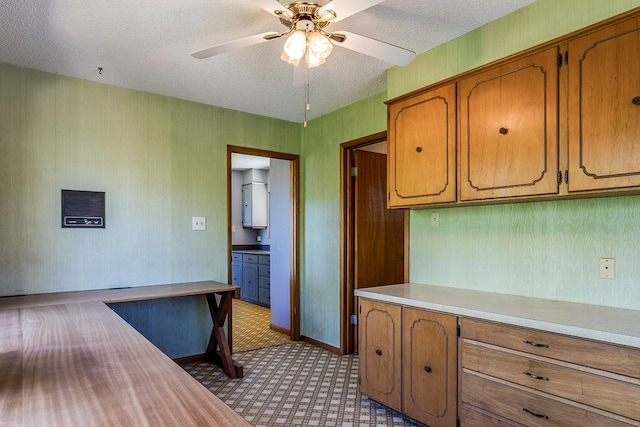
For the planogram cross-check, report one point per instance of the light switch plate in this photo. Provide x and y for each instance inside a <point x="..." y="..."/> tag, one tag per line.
<point x="198" y="223"/>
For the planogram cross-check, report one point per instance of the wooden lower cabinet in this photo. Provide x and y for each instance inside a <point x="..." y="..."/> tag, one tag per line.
<point x="380" y="352"/>
<point x="408" y="361"/>
<point x="536" y="378"/>
<point x="430" y="366"/>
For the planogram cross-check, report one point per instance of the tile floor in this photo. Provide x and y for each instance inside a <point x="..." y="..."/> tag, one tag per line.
<point x="296" y="384"/>
<point x="251" y="327"/>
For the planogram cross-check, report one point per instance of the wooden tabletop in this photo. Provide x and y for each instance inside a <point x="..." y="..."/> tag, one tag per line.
<point x="81" y="364"/>
<point x="137" y="293"/>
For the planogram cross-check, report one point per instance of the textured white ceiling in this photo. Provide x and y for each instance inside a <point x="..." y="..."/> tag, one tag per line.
<point x="146" y="45"/>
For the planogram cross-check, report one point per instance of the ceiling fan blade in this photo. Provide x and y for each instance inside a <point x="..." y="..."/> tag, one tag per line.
<point x="346" y="8"/>
<point x="232" y="45"/>
<point x="381" y="50"/>
<point x="272" y="6"/>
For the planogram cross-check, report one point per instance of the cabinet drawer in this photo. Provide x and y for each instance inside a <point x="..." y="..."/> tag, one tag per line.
<point x="469" y="417"/>
<point x="264" y="283"/>
<point x="612" y="395"/>
<point x="264" y="296"/>
<point x="527" y="408"/>
<point x="236" y="257"/>
<point x="264" y="270"/>
<point x="250" y="258"/>
<point x="264" y="259"/>
<point x="612" y="358"/>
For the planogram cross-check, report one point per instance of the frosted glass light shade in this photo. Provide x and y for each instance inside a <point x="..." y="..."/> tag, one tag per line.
<point x="296" y="45"/>
<point x="319" y="46"/>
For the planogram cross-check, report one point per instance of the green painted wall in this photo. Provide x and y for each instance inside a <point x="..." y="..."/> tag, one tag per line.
<point x="320" y="275"/>
<point x="160" y="161"/>
<point x="541" y="249"/>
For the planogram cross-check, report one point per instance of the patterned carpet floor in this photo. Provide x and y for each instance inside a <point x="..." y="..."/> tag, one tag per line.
<point x="251" y="327"/>
<point x="296" y="384"/>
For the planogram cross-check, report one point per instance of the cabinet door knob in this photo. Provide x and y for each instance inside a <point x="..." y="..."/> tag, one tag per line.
<point x="503" y="131"/>
<point x="427" y="368"/>
<point x="379" y="352"/>
<point x="636" y="100"/>
<point x="419" y="149"/>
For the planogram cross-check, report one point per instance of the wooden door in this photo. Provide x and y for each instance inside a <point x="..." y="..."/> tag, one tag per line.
<point x="430" y="367"/>
<point x="378" y="231"/>
<point x="509" y="129"/>
<point x="380" y="352"/>
<point x="422" y="149"/>
<point x="604" y="108"/>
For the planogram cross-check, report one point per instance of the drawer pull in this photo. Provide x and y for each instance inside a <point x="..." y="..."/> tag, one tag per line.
<point x="536" y="344"/>
<point x="535" y="377"/>
<point x="534" y="414"/>
<point x="427" y="368"/>
<point x="379" y="352"/>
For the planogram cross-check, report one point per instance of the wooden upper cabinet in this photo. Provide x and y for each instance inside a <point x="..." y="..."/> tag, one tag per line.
<point x="380" y="352"/>
<point x="430" y="367"/>
<point x="604" y="108"/>
<point x="509" y="129"/>
<point x="422" y="148"/>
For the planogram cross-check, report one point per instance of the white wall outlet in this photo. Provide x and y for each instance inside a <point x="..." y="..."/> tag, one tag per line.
<point x="435" y="219"/>
<point x="607" y="268"/>
<point x="198" y="223"/>
<point x="233" y="228"/>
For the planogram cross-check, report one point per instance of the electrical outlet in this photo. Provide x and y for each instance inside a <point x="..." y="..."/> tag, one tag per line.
<point x="607" y="268"/>
<point x="233" y="228"/>
<point x="435" y="219"/>
<point x="198" y="223"/>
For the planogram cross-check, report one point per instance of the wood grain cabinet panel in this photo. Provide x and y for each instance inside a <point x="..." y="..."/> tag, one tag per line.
<point x="421" y="148"/>
<point x="430" y="367"/>
<point x="408" y="361"/>
<point x="509" y="129"/>
<point x="380" y="352"/>
<point x="527" y="408"/>
<point x="604" y="108"/>
<point x="537" y="378"/>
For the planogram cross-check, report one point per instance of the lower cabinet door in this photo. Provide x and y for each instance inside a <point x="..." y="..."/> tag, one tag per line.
<point x="380" y="352"/>
<point x="250" y="282"/>
<point x="430" y="367"/>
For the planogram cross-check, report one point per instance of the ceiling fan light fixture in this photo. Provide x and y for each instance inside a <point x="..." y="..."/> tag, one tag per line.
<point x="314" y="61"/>
<point x="319" y="45"/>
<point x="296" y="45"/>
<point x="286" y="58"/>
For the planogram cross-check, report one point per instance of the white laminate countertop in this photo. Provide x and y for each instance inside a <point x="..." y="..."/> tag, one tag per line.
<point x="613" y="325"/>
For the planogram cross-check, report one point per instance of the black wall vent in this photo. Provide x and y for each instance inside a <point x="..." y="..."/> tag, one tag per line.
<point x="82" y="209"/>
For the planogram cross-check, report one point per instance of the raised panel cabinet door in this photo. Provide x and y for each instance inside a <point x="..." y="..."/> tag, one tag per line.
<point x="422" y="149"/>
<point x="380" y="352"/>
<point x="236" y="273"/>
<point x="604" y="108"/>
<point x="430" y="367"/>
<point x="509" y="129"/>
<point x="250" y="282"/>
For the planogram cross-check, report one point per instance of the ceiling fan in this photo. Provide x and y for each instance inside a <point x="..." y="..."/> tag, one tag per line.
<point x="308" y="40"/>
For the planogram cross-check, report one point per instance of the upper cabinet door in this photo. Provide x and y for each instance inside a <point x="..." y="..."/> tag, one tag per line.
<point x="604" y="108"/>
<point x="421" y="149"/>
<point x="509" y="129"/>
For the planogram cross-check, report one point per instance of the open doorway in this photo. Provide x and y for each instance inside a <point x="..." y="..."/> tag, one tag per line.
<point x="262" y="194"/>
<point x="374" y="250"/>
